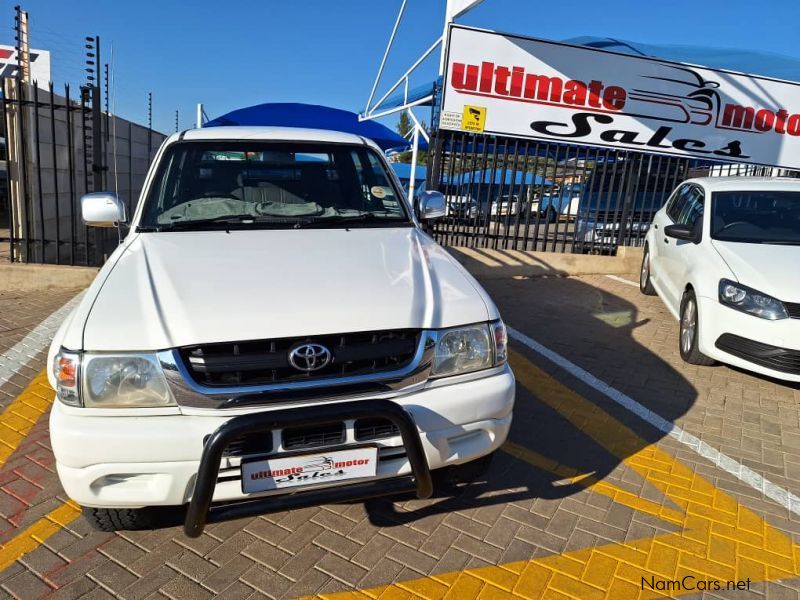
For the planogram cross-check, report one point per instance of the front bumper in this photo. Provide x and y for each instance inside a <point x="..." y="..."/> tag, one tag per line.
<point x="132" y="461"/>
<point x="766" y="345"/>
<point x="200" y="510"/>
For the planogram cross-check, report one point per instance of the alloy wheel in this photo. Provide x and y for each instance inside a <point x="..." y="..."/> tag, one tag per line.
<point x="688" y="325"/>
<point x="645" y="274"/>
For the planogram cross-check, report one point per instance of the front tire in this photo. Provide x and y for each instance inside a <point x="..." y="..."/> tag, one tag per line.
<point x="690" y="332"/>
<point x="119" y="519"/>
<point x="449" y="478"/>
<point x="645" y="285"/>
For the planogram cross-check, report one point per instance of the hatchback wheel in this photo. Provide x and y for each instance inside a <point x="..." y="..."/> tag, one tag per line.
<point x="689" y="332"/>
<point x="645" y="285"/>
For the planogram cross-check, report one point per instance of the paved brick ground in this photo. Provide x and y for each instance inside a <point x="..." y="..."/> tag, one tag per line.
<point x="24" y="331"/>
<point x="533" y="505"/>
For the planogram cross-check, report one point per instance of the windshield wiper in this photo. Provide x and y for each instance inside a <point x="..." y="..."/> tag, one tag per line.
<point x="362" y="218"/>
<point x="225" y="221"/>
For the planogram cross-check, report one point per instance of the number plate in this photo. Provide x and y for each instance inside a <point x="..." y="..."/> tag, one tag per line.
<point x="305" y="469"/>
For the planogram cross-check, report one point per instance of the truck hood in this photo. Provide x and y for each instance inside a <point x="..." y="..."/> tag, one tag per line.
<point x="183" y="288"/>
<point x="769" y="268"/>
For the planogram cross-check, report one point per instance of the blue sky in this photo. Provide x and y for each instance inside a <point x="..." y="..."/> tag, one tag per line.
<point x="234" y="54"/>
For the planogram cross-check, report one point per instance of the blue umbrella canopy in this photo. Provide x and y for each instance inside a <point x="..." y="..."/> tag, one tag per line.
<point x="498" y="176"/>
<point x="312" y="116"/>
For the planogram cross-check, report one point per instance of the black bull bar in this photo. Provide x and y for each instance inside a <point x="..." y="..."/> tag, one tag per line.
<point x="201" y="511"/>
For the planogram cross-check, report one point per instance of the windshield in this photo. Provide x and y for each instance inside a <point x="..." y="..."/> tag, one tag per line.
<point x="203" y="185"/>
<point x="763" y="217"/>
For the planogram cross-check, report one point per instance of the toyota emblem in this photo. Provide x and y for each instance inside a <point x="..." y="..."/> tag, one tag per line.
<point x="309" y="357"/>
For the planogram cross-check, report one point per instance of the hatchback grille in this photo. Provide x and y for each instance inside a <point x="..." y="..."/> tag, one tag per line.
<point x="264" y="362"/>
<point x="771" y="357"/>
<point x="793" y="308"/>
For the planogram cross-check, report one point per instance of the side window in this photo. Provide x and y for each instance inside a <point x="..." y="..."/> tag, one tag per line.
<point x="677" y="202"/>
<point x="692" y="209"/>
<point x="377" y="192"/>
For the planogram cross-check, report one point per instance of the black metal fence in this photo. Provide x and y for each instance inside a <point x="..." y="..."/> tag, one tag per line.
<point x="507" y="193"/>
<point x="59" y="148"/>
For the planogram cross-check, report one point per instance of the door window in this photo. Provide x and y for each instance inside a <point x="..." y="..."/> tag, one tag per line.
<point x="692" y="207"/>
<point x="677" y="202"/>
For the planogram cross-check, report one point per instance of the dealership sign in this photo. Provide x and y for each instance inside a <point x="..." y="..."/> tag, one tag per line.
<point x="40" y="65"/>
<point x="504" y="84"/>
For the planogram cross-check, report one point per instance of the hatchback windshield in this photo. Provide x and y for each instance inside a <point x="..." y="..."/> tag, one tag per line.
<point x="763" y="217"/>
<point x="204" y="185"/>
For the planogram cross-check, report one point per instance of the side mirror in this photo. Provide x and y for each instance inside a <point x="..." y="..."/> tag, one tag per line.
<point x="682" y="232"/>
<point x="102" y="209"/>
<point x="431" y="206"/>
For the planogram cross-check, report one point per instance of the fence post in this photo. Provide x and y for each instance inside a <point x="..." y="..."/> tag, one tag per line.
<point x="7" y="127"/>
<point x="97" y="143"/>
<point x="19" y="205"/>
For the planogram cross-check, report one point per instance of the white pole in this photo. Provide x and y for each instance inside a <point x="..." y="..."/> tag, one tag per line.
<point x="448" y="18"/>
<point x="386" y="53"/>
<point x="414" y="149"/>
<point x="199" y="115"/>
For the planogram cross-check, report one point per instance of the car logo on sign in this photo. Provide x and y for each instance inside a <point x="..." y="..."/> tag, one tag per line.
<point x="309" y="357"/>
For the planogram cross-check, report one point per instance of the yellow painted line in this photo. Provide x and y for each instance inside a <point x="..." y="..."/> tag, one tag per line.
<point x="717" y="539"/>
<point x="21" y="415"/>
<point x="16" y="422"/>
<point x="616" y="493"/>
<point x="35" y="535"/>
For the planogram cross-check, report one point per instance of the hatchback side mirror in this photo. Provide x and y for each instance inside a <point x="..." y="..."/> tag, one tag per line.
<point x="431" y="206"/>
<point x="682" y="232"/>
<point x="102" y="209"/>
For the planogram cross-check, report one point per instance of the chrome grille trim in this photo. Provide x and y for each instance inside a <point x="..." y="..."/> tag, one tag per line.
<point x="190" y="393"/>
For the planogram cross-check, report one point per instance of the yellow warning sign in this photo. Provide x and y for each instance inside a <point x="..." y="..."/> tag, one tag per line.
<point x="473" y="118"/>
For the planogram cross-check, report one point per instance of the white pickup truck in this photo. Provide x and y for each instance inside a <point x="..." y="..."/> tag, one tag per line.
<point x="275" y="331"/>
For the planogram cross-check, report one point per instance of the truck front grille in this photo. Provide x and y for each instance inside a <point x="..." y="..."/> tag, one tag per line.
<point x="374" y="429"/>
<point x="264" y="362"/>
<point x="313" y="437"/>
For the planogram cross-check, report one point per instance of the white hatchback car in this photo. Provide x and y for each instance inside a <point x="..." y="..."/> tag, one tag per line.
<point x="723" y="255"/>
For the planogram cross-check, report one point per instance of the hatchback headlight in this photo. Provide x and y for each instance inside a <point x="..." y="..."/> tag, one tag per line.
<point x="745" y="299"/>
<point x="471" y="348"/>
<point x="111" y="381"/>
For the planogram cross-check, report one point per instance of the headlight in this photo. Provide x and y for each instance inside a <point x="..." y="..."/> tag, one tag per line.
<point x="467" y="349"/>
<point x="111" y="381"/>
<point x="751" y="301"/>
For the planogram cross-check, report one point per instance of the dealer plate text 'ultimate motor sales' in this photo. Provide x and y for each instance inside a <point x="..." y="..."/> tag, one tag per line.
<point x="305" y="469"/>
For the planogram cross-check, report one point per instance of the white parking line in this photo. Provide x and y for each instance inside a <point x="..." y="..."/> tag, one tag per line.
<point x="623" y="280"/>
<point x="780" y="495"/>
<point x="24" y="351"/>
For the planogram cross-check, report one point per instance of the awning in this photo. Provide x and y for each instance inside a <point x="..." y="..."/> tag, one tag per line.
<point x="403" y="172"/>
<point x="312" y="116"/>
<point x="498" y="176"/>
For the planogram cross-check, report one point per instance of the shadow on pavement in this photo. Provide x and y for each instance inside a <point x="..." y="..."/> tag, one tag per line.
<point x="594" y="329"/>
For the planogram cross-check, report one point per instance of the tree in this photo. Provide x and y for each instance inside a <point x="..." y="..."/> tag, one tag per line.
<point x="404" y="125"/>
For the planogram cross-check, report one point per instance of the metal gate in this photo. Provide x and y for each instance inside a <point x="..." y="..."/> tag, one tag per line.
<point x="59" y="148"/>
<point x="511" y="193"/>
